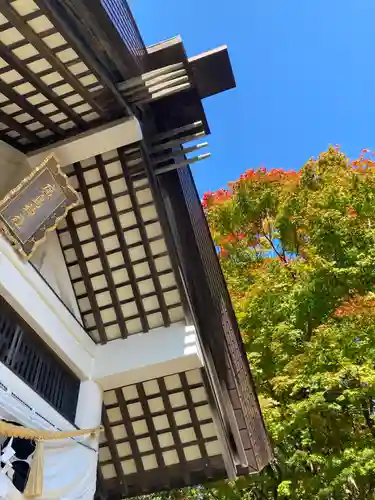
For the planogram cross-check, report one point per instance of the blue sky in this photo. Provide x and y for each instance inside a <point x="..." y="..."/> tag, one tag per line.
<point x="304" y="70"/>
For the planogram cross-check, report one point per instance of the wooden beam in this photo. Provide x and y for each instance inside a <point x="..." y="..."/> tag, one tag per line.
<point x="166" y="226"/>
<point x="23" y="103"/>
<point x="53" y="10"/>
<point x="195" y="421"/>
<point x="174" y="430"/>
<point x="144" y="238"/>
<point x="102" y="251"/>
<point x="123" y="245"/>
<point x="45" y="52"/>
<point x="153" y="436"/>
<point x="43" y="88"/>
<point x="86" y="278"/>
<point x="121" y="478"/>
<point x="130" y="433"/>
<point x="18" y="127"/>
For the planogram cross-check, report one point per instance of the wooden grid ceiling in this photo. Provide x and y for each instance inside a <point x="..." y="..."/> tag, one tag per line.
<point x="115" y="250"/>
<point x="46" y="89"/>
<point x="158" y="435"/>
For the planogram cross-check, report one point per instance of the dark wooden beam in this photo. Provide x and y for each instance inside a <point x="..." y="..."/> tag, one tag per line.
<point x="123" y="245"/>
<point x="195" y="421"/>
<point x="165" y="225"/>
<point x="121" y="478"/>
<point x="55" y="10"/>
<point x="130" y="432"/>
<point x="45" y="52"/>
<point x="43" y="88"/>
<point x="174" y="430"/>
<point x="86" y="278"/>
<point x="18" y="127"/>
<point x="153" y="436"/>
<point x="102" y="251"/>
<point x="23" y="103"/>
<point x="144" y="237"/>
<point x="12" y="142"/>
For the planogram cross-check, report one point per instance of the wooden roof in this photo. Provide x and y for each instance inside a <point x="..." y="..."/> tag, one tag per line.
<point x="159" y="434"/>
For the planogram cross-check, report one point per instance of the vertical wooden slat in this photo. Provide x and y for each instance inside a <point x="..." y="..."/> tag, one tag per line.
<point x="195" y="421"/>
<point x="123" y="244"/>
<point x="144" y="238"/>
<point x="86" y="278"/>
<point x="153" y="436"/>
<point x="174" y="430"/>
<point x="45" y="52"/>
<point x="102" y="252"/>
<point x="121" y="479"/>
<point x="130" y="433"/>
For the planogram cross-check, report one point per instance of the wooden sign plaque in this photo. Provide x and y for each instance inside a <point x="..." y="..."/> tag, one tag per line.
<point x="36" y="206"/>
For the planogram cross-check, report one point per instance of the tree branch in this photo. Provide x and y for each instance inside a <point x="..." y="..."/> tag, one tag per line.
<point x="369" y="422"/>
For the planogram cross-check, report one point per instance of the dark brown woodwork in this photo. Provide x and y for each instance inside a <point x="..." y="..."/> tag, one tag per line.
<point x="165" y="225"/>
<point x="102" y="251"/>
<point x="18" y="127"/>
<point x="121" y="479"/>
<point x="123" y="245"/>
<point x="56" y="11"/>
<point x="151" y="427"/>
<point x="196" y="425"/>
<point x="174" y="429"/>
<point x="24" y="353"/>
<point x="86" y="278"/>
<point x="24" y="104"/>
<point x="144" y="237"/>
<point x="130" y="432"/>
<point x="43" y="88"/>
<point x="45" y="52"/>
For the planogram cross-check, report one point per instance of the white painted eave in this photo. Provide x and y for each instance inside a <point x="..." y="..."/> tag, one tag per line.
<point x="91" y="143"/>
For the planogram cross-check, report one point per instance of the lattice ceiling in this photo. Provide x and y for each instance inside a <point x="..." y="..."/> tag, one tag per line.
<point x="115" y="250"/>
<point x="159" y="434"/>
<point x="46" y="89"/>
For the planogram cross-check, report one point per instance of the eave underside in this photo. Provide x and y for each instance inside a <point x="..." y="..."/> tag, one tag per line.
<point x="159" y="435"/>
<point x="115" y="249"/>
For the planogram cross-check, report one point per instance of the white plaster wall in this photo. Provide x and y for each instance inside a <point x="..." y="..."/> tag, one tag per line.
<point x="158" y="353"/>
<point x="31" y="297"/>
<point x="91" y="143"/>
<point x="13" y="168"/>
<point x="49" y="260"/>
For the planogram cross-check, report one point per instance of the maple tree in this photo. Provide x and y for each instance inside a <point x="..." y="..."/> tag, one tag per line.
<point x="298" y="253"/>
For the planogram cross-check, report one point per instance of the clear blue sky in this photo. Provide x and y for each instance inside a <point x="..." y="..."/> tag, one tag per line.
<point x="305" y="72"/>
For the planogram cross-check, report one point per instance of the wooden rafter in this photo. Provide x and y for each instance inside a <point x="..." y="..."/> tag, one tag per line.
<point x="130" y="432"/>
<point x="195" y="421"/>
<point x="45" y="52"/>
<point x="144" y="237"/>
<point x="123" y="245"/>
<point x="18" y="127"/>
<point x="53" y="10"/>
<point x="151" y="427"/>
<point x="121" y="478"/>
<point x="86" y="278"/>
<point x="165" y="225"/>
<point x="102" y="251"/>
<point x="24" y="104"/>
<point x="174" y="430"/>
<point x="43" y="88"/>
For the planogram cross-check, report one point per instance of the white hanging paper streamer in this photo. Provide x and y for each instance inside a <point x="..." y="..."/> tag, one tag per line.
<point x="69" y="468"/>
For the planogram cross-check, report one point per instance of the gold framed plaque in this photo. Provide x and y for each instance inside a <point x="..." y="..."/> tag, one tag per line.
<point x="36" y="206"/>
